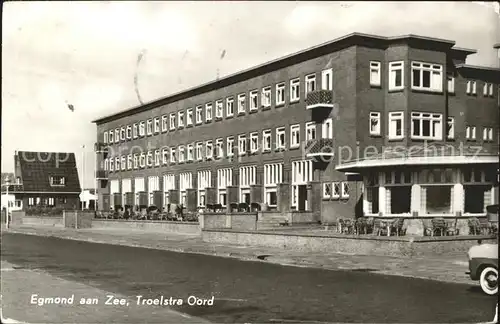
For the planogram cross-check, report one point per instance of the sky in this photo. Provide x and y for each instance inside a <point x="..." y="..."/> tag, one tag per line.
<point x="85" y="54"/>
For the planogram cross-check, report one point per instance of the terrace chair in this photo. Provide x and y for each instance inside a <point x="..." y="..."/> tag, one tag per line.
<point x="340" y="225"/>
<point x="451" y="227"/>
<point x="484" y="226"/>
<point x="397" y="227"/>
<point x="348" y="227"/>
<point x="474" y="226"/>
<point x="218" y="208"/>
<point x="370" y="222"/>
<point x="361" y="225"/>
<point x="382" y="227"/>
<point x="438" y="226"/>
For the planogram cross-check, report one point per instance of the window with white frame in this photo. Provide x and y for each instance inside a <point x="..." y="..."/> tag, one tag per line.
<point x="209" y="150"/>
<point x="199" y="151"/>
<point x="375" y="73"/>
<point x="490" y="89"/>
<point x="114" y="187"/>
<point x="345" y="190"/>
<point x="254" y="100"/>
<point x="123" y="161"/>
<point x="129" y="132"/>
<point x="173" y="156"/>
<point x="219" y="109"/>
<point x="336" y="190"/>
<point x="149" y="127"/>
<point x="302" y="174"/>
<point x="280" y="138"/>
<point x="396" y="122"/>
<point x="242" y="144"/>
<point x="310" y="83"/>
<point x="327" y="128"/>
<point x="122" y="134"/>
<point x="294" y="136"/>
<point x="230" y="146"/>
<point x="375" y="123"/>
<point x="142" y="160"/>
<point x="254" y="142"/>
<point x="106" y="164"/>
<point x="172" y="121"/>
<point x="327" y="190"/>
<point x="164" y="123"/>
<point x="142" y="128"/>
<point x="117" y="135"/>
<point x="266" y="140"/>
<point x="450" y="79"/>
<point x="310" y="131"/>
<point x="224" y="180"/>
<point x="229" y="107"/>
<point x="241" y="103"/>
<point x="199" y="115"/>
<point x="485" y="89"/>
<point x="219" y="147"/>
<point x="488" y="134"/>
<point x="266" y="97"/>
<point x="471" y="87"/>
<point x="105" y="138"/>
<point x="157" y="158"/>
<point x="111" y="165"/>
<point x="190" y="153"/>
<point x="208" y="112"/>
<point x="204" y="182"/>
<point x="156" y="125"/>
<point x="327" y="79"/>
<point x="247" y="177"/>
<point x="135" y="131"/>
<point x="149" y="159"/>
<point x="470" y="132"/>
<point x="139" y="186"/>
<point x="450" y="128"/>
<point x="153" y="185"/>
<point x="164" y="154"/>
<point x="185" y="182"/>
<point x="180" y="121"/>
<point x="426" y="76"/>
<point x="117" y="164"/>
<point x="273" y="175"/>
<point x="396" y="75"/>
<point x="189" y="117"/>
<point x="182" y="154"/>
<point x="426" y="126"/>
<point x="111" y="137"/>
<point x="280" y="94"/>
<point x="136" y="161"/>
<point x="168" y="184"/>
<point x="294" y="90"/>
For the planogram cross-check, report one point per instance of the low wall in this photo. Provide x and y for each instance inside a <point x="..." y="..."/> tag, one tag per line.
<point x="148" y="225"/>
<point x="55" y="221"/>
<point x="77" y="218"/>
<point x="240" y="221"/>
<point x="293" y="217"/>
<point x="361" y="245"/>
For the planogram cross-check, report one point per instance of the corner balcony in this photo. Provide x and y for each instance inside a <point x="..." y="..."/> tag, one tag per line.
<point x="319" y="99"/>
<point x="319" y="147"/>
<point x="101" y="147"/>
<point x="101" y="174"/>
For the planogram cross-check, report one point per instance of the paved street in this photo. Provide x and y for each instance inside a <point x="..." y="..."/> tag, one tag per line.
<point x="244" y="291"/>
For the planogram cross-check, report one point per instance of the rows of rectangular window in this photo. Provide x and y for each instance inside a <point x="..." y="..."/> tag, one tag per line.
<point x="335" y="190"/>
<point x="424" y="77"/>
<point x="227" y="147"/>
<point x="223" y="108"/>
<point x="423" y="126"/>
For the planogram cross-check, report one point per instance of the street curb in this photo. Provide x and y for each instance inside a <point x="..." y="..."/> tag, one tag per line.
<point x="238" y="256"/>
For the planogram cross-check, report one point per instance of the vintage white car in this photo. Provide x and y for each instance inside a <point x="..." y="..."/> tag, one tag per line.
<point x="483" y="266"/>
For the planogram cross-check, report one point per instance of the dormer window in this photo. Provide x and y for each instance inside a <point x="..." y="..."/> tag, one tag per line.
<point x="56" y="181"/>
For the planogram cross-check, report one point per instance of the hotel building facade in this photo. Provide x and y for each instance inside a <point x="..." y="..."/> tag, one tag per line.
<point x="362" y="125"/>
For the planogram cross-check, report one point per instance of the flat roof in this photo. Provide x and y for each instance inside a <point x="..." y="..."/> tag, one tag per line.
<point x="497" y="45"/>
<point x="336" y="44"/>
<point x="477" y="67"/>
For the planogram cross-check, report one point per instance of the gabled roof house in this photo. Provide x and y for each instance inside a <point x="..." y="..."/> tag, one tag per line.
<point x="47" y="179"/>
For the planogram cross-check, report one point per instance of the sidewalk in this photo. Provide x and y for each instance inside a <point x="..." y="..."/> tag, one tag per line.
<point x="19" y="305"/>
<point x="450" y="268"/>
